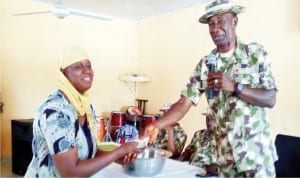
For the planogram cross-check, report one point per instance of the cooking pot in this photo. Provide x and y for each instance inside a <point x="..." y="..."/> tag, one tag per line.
<point x="147" y="120"/>
<point x="118" y="118"/>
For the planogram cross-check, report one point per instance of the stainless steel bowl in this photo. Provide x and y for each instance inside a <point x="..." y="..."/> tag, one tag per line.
<point x="148" y="163"/>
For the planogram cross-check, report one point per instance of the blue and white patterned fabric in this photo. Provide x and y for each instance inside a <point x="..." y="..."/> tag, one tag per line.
<point x="56" y="130"/>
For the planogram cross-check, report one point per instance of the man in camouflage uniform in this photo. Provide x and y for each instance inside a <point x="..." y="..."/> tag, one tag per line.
<point x="243" y="88"/>
<point x="171" y="138"/>
<point x="201" y="151"/>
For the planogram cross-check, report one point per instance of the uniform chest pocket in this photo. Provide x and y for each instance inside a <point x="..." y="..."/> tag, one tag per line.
<point x="247" y="75"/>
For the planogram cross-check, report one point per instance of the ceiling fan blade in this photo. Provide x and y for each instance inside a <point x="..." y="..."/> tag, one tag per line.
<point x="88" y="14"/>
<point x="32" y="13"/>
<point x="45" y="1"/>
<point x="205" y="1"/>
<point x="61" y="11"/>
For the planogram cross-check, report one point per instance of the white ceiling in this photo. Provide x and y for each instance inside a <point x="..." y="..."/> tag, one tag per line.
<point x="127" y="9"/>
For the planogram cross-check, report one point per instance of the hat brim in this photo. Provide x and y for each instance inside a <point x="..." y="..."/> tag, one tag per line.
<point x="235" y="9"/>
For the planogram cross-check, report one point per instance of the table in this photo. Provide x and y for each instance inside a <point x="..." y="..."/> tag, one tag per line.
<point x="171" y="169"/>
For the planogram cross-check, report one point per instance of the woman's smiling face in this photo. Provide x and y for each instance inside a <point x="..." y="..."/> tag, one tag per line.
<point x="80" y="74"/>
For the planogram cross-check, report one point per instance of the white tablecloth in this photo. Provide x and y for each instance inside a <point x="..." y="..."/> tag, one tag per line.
<point x="171" y="169"/>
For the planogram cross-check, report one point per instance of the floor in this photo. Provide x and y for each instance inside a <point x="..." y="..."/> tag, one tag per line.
<point x="6" y="170"/>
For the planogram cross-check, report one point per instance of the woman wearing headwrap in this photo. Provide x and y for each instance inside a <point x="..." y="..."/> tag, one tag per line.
<point x="64" y="142"/>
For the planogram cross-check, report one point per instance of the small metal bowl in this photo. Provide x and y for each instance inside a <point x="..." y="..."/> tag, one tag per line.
<point x="148" y="163"/>
<point x="107" y="146"/>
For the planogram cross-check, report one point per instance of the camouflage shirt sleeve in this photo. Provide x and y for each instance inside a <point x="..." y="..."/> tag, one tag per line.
<point x="197" y="83"/>
<point x="265" y="76"/>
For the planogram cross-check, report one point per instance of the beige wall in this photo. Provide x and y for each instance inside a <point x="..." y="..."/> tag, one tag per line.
<point x="31" y="48"/>
<point x="166" y="48"/>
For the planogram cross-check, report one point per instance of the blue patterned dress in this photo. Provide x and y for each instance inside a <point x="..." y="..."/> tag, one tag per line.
<point x="56" y="130"/>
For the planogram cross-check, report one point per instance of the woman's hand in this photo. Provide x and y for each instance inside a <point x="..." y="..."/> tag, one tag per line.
<point x="130" y="151"/>
<point x="131" y="147"/>
<point x="130" y="157"/>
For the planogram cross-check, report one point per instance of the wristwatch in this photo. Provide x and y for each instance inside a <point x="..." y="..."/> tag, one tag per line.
<point x="238" y="88"/>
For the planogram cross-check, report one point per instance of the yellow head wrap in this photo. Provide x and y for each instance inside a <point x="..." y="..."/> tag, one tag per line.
<point x="71" y="55"/>
<point x="80" y="102"/>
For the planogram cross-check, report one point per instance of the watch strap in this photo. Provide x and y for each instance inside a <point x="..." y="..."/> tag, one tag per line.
<point x="238" y="88"/>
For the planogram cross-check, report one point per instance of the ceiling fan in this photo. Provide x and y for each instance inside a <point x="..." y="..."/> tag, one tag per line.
<point x="61" y="11"/>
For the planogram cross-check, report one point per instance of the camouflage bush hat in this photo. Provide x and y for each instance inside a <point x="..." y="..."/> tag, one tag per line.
<point x="218" y="7"/>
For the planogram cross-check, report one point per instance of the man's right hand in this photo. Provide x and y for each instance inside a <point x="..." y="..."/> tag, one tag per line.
<point x="151" y="131"/>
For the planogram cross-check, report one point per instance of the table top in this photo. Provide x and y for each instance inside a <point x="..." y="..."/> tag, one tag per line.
<point x="171" y="169"/>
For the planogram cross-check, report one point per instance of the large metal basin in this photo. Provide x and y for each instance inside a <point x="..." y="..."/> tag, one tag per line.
<point x="148" y="163"/>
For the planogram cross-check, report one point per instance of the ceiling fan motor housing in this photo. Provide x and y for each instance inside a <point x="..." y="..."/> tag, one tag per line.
<point x="61" y="12"/>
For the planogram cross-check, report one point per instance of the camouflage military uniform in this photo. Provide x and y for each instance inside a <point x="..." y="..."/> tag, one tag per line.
<point x="242" y="130"/>
<point x="179" y="138"/>
<point x="202" y="148"/>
